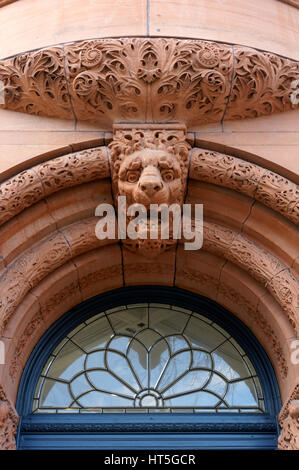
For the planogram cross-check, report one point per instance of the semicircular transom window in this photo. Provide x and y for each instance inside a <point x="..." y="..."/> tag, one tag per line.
<point x="148" y="358"/>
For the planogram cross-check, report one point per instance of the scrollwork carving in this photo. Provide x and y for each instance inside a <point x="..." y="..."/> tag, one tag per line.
<point x="261" y="84"/>
<point x="8" y="423"/>
<point x="30" y="186"/>
<point x="35" y="83"/>
<point x="148" y="79"/>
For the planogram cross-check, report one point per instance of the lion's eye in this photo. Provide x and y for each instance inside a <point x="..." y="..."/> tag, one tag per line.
<point x="167" y="175"/>
<point x="133" y="176"/>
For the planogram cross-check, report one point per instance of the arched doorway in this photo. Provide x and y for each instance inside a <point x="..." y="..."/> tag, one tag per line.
<point x="148" y="367"/>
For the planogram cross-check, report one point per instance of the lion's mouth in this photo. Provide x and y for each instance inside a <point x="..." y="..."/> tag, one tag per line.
<point x="157" y="225"/>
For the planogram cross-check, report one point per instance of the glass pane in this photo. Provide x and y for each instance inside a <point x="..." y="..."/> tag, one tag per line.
<point x="148" y="359"/>
<point x="69" y="362"/>
<point x="242" y="394"/>
<point x="129" y="321"/>
<point x="120" y="366"/>
<point x="105" y="381"/>
<point x="193" y="400"/>
<point x="158" y="359"/>
<point x="166" y="321"/>
<point x="228" y="362"/>
<point x="99" y="399"/>
<point x="93" y="336"/>
<point x="202" y="335"/>
<point x="55" y="394"/>
<point x="189" y="382"/>
<point x="176" y="367"/>
<point x="138" y="357"/>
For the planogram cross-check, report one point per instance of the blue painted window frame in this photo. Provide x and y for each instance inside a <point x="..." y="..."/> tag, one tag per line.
<point x="143" y="431"/>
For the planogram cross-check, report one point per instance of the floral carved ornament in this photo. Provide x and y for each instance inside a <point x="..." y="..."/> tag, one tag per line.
<point x="136" y="150"/>
<point x="148" y="80"/>
<point x="156" y="80"/>
<point x="289" y="422"/>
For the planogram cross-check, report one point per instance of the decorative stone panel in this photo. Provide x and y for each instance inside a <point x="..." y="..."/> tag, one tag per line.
<point x="148" y="80"/>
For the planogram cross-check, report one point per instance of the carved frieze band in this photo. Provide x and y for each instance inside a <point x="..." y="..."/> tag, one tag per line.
<point x="147" y="427"/>
<point x="148" y="80"/>
<point x="32" y="185"/>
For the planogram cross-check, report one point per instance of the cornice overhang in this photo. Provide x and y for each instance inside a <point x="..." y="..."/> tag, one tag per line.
<point x="106" y="81"/>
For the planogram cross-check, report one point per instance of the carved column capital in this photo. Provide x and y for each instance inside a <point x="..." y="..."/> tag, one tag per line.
<point x="289" y="422"/>
<point x="8" y="423"/>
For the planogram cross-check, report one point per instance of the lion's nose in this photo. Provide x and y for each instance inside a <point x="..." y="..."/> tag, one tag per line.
<point x="151" y="187"/>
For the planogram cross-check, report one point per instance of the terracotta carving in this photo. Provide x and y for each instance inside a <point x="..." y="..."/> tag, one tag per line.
<point x="6" y="2"/>
<point x="255" y="313"/>
<point x="34" y="265"/>
<point x="261" y="265"/>
<point x="8" y="423"/>
<point x="35" y="83"/>
<point x="267" y="79"/>
<point x="269" y="188"/>
<point x="26" y="188"/>
<point x="30" y="186"/>
<point x="148" y="80"/>
<point x="16" y="361"/>
<point x="289" y="422"/>
<point x="149" y="166"/>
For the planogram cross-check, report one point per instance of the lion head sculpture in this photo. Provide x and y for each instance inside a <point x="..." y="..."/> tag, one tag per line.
<point x="149" y="167"/>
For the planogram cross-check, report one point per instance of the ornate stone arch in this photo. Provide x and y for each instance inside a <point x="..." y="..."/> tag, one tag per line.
<point x="51" y="259"/>
<point x="62" y="262"/>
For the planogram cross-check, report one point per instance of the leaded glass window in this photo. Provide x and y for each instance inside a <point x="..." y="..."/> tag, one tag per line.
<point x="148" y="358"/>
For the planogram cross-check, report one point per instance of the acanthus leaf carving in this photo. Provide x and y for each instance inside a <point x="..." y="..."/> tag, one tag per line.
<point x="35" y="83"/>
<point x="148" y="79"/>
<point x="261" y="84"/>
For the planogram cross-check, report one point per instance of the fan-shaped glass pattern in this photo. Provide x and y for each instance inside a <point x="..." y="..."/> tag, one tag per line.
<point x="148" y="358"/>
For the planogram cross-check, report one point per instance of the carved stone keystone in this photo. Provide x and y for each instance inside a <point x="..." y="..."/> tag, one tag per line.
<point x="149" y="165"/>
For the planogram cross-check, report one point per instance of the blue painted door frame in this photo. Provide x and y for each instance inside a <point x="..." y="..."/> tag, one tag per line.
<point x="143" y="431"/>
